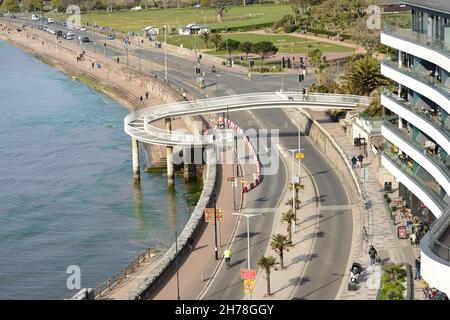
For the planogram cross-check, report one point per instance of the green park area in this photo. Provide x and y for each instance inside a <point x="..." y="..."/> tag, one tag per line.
<point x="248" y="17"/>
<point x="285" y="43"/>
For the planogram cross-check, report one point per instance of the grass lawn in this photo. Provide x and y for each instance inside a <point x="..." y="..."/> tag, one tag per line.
<point x="235" y="17"/>
<point x="285" y="43"/>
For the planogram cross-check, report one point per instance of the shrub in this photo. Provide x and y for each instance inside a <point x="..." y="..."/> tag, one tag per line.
<point x="289" y="28"/>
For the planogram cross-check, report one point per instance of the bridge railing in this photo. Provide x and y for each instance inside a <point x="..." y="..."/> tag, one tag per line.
<point x="219" y="104"/>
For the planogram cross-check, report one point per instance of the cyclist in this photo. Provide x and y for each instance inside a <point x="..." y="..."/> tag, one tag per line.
<point x="227" y="255"/>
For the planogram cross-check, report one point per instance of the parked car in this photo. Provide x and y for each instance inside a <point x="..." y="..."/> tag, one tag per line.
<point x="13" y="16"/>
<point x="40" y="27"/>
<point x="51" y="20"/>
<point x="110" y="37"/>
<point x="138" y="8"/>
<point x="85" y="39"/>
<point x="83" y="28"/>
<point x="34" y="17"/>
<point x="69" y="36"/>
<point x="1" y="14"/>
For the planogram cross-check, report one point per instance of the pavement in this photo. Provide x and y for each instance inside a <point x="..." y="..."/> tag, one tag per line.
<point x="381" y="230"/>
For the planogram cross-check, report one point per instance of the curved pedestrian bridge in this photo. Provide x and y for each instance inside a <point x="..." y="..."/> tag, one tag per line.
<point x="139" y="124"/>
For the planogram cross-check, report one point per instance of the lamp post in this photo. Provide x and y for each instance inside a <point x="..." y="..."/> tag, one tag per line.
<point x="215" y="227"/>
<point x="294" y="204"/>
<point x="165" y="55"/>
<point x="248" y="216"/>
<point x="176" y="264"/>
<point x="217" y="84"/>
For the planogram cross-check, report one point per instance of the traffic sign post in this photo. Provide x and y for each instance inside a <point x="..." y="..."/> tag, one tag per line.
<point x="248" y="274"/>
<point x="249" y="285"/>
<point x="209" y="214"/>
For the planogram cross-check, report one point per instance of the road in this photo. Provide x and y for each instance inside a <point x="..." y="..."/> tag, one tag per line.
<point x="332" y="247"/>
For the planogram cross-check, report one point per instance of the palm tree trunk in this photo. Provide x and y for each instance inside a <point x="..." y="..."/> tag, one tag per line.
<point x="281" y="259"/>
<point x="290" y="231"/>
<point x="268" y="282"/>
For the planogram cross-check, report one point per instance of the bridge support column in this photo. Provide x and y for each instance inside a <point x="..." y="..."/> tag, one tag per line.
<point x="169" y="157"/>
<point x="135" y="156"/>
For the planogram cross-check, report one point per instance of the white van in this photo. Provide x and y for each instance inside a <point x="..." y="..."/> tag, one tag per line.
<point x="138" y="8"/>
<point x="51" y="20"/>
<point x="34" y="17"/>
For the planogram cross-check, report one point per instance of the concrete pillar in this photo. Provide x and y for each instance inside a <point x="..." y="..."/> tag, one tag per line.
<point x="169" y="157"/>
<point x="135" y="155"/>
<point x="400" y="123"/>
<point x="189" y="167"/>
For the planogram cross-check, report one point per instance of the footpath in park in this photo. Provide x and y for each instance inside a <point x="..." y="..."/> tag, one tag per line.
<point x="284" y="282"/>
<point x="381" y="231"/>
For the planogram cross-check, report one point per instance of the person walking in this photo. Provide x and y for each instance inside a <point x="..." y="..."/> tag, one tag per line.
<point x="373" y="254"/>
<point x="227" y="255"/>
<point x="360" y="159"/>
<point x="354" y="160"/>
<point x="190" y="242"/>
<point x="417" y="264"/>
<point x="146" y="95"/>
<point x="141" y="99"/>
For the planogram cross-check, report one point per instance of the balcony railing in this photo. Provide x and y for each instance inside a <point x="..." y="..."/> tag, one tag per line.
<point x="425" y="114"/>
<point x="436" y="243"/>
<point x="432" y="82"/>
<point x="394" y="158"/>
<point x="418" y="38"/>
<point x="421" y="149"/>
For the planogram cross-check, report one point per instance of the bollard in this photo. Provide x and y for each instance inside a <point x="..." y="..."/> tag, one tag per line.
<point x="203" y="276"/>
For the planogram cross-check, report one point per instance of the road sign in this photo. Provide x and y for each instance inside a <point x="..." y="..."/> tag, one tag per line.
<point x="244" y="181"/>
<point x="209" y="215"/>
<point x="299" y="155"/>
<point x="249" y="285"/>
<point x="231" y="178"/>
<point x="296" y="179"/>
<point x="248" y="274"/>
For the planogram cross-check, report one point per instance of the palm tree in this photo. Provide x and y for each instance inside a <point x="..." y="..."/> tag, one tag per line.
<point x="298" y="186"/>
<point x="267" y="263"/>
<point x="215" y="38"/>
<point x="288" y="217"/>
<point x="205" y="36"/>
<point x="297" y="203"/>
<point x="363" y="76"/>
<point x="279" y="244"/>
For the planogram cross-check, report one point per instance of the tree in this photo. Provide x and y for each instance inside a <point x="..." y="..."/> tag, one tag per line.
<point x="315" y="59"/>
<point x="229" y="45"/>
<point x="297" y="203"/>
<point x="288" y="217"/>
<point x="33" y="5"/>
<point x="205" y="36"/>
<point x="216" y="38"/>
<point x="280" y="244"/>
<point x="56" y="4"/>
<point x="264" y="49"/>
<point x="221" y="6"/>
<point x="10" y="5"/>
<point x="245" y="47"/>
<point x="363" y="76"/>
<point x="267" y="263"/>
<point x="297" y="186"/>
<point x="300" y="8"/>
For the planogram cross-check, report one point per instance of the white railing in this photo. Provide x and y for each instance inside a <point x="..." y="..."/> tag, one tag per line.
<point x="146" y="132"/>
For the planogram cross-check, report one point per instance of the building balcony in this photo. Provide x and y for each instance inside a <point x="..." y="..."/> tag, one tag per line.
<point x="426" y="159"/>
<point x="419" y="118"/>
<point x="435" y="254"/>
<point x="408" y="178"/>
<point x="420" y="83"/>
<point x="417" y="44"/>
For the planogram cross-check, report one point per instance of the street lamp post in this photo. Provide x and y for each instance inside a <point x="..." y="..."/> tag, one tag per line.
<point x="216" y="250"/>
<point x="176" y="264"/>
<point x="165" y="55"/>
<point x="217" y="84"/>
<point x="248" y="216"/>
<point x="294" y="205"/>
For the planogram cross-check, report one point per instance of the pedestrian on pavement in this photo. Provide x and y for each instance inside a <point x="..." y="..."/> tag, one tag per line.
<point x="146" y="95"/>
<point x="354" y="160"/>
<point x="373" y="254"/>
<point x="117" y="60"/>
<point x="190" y="242"/>
<point x="184" y="95"/>
<point x="417" y="263"/>
<point x="142" y="99"/>
<point x="227" y="255"/>
<point x="360" y="159"/>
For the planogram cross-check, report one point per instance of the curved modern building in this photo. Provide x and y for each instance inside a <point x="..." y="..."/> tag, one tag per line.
<point x="417" y="127"/>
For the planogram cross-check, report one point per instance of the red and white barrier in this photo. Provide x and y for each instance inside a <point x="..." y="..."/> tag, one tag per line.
<point x="256" y="177"/>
